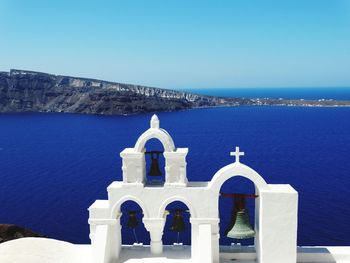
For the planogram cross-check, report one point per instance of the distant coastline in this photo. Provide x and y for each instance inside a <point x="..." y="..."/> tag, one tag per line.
<point x="306" y="93"/>
<point x="29" y="91"/>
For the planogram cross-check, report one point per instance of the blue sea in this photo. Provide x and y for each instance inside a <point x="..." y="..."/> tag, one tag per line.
<point x="54" y="166"/>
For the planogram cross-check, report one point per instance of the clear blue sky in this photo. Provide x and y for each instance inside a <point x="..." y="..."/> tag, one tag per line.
<point x="182" y="43"/>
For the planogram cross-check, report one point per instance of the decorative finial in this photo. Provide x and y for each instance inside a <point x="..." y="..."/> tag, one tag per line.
<point x="237" y="154"/>
<point x="154" y="122"/>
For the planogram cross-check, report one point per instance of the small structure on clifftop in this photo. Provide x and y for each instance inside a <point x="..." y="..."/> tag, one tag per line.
<point x="275" y="227"/>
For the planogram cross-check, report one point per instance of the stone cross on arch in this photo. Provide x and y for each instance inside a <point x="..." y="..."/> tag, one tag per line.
<point x="237" y="154"/>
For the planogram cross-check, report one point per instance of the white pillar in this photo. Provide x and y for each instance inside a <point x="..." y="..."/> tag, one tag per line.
<point x="133" y="166"/>
<point x="115" y="240"/>
<point x="155" y="228"/>
<point x="175" y="167"/>
<point x="205" y="244"/>
<point x="156" y="241"/>
<point x="106" y="240"/>
<point x="194" y="240"/>
<point x="215" y="237"/>
<point x="277" y="226"/>
<point x="203" y="241"/>
<point x="100" y="245"/>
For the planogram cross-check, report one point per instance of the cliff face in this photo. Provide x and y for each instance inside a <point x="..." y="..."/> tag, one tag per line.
<point x="22" y="91"/>
<point x="40" y="92"/>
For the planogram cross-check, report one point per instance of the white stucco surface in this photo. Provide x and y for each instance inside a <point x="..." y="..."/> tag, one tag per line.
<point x="43" y="250"/>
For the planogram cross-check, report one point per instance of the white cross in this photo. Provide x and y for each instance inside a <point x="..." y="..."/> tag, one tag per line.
<point x="237" y="154"/>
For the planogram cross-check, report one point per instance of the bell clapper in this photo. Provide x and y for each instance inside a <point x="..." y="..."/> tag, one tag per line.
<point x="135" y="236"/>
<point x="178" y="244"/>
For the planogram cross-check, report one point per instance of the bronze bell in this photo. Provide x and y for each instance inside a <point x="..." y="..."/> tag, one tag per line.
<point x="154" y="170"/>
<point x="178" y="224"/>
<point x="132" y="220"/>
<point x="240" y="227"/>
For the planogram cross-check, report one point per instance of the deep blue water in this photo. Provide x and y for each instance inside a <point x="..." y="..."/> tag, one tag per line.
<point x="53" y="166"/>
<point x="286" y="93"/>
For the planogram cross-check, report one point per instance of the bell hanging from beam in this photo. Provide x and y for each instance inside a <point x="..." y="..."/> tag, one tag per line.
<point x="240" y="227"/>
<point x="154" y="170"/>
<point x="132" y="220"/>
<point x="133" y="223"/>
<point x="178" y="224"/>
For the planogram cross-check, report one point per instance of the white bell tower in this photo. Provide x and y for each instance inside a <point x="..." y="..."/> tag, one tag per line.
<point x="275" y="216"/>
<point x="175" y="158"/>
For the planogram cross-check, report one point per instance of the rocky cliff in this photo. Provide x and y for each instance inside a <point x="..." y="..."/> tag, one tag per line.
<point x="9" y="232"/>
<point x="28" y="91"/>
<point x="40" y="92"/>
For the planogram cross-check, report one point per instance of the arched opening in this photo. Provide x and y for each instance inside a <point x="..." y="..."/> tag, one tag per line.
<point x="232" y="223"/>
<point x="133" y="230"/>
<point x="177" y="229"/>
<point x="155" y="162"/>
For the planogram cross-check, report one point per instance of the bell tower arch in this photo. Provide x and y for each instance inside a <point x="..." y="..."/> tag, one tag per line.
<point x="155" y="132"/>
<point x="272" y="221"/>
<point x="134" y="163"/>
<point x="236" y="169"/>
